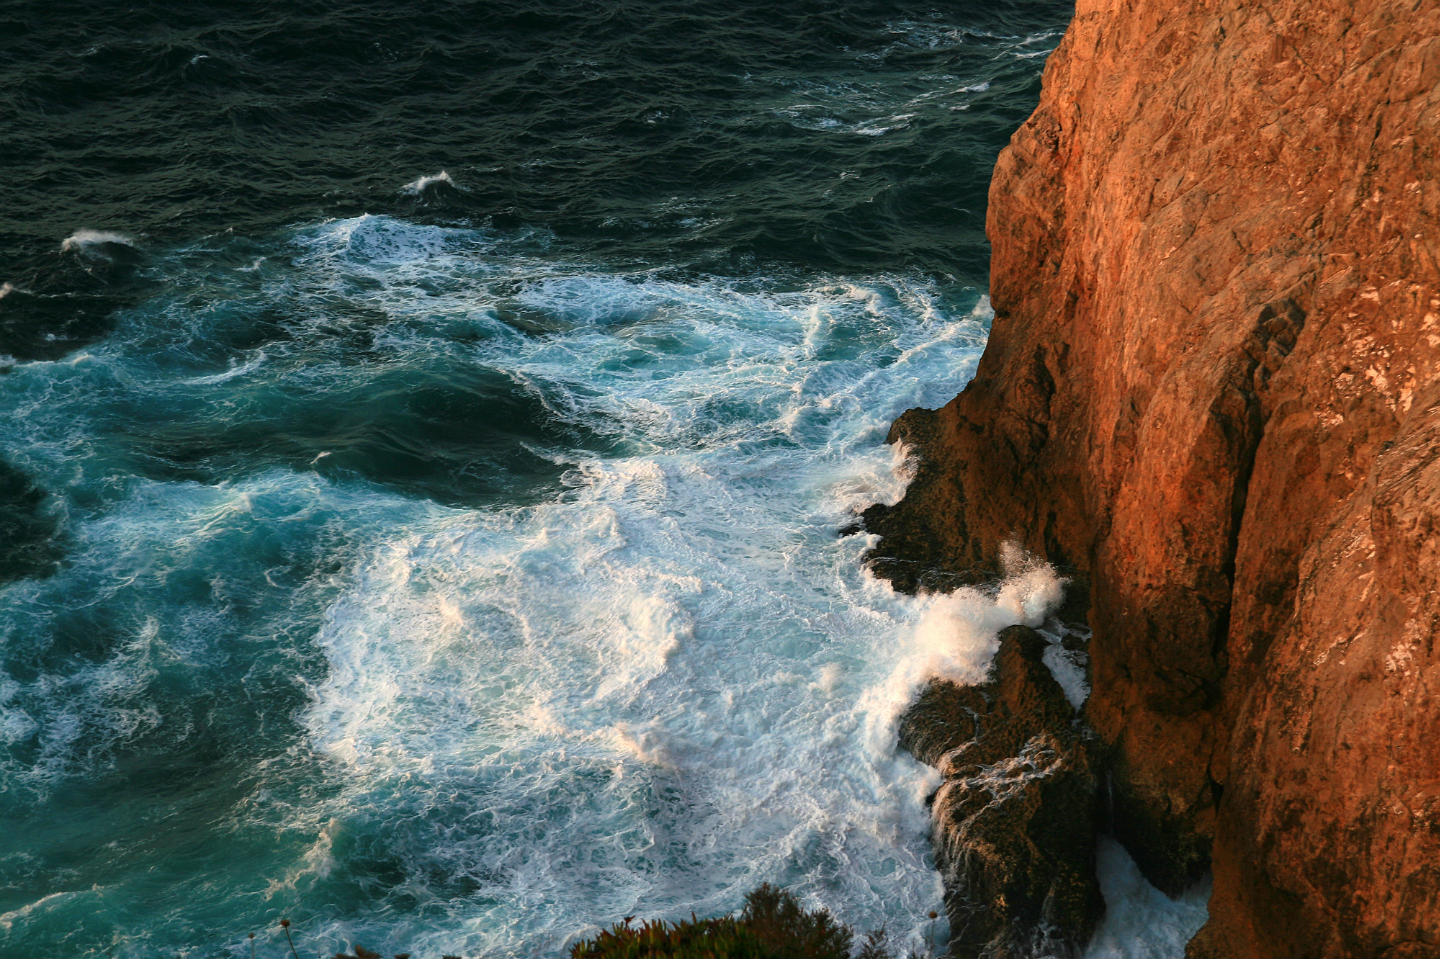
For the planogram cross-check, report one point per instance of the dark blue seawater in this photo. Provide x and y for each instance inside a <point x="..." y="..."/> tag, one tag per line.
<point x="424" y="434"/>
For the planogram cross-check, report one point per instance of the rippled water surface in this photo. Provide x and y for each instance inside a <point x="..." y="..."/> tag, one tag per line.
<point x="424" y="443"/>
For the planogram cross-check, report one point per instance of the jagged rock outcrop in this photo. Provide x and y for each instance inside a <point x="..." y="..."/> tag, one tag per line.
<point x="1212" y="389"/>
<point x="1015" y="817"/>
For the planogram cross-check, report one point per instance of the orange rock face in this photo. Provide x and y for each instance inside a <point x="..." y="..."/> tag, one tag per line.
<point x="1213" y="389"/>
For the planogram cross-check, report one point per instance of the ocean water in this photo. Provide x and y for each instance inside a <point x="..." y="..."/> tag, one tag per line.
<point x="426" y="439"/>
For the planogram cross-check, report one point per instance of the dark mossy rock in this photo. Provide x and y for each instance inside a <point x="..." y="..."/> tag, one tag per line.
<point x="1015" y="819"/>
<point x="915" y="553"/>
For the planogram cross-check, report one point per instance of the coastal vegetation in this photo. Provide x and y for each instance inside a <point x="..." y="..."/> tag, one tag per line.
<point x="772" y="923"/>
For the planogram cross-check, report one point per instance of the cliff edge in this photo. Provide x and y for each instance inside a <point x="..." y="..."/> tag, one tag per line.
<point x="1212" y="391"/>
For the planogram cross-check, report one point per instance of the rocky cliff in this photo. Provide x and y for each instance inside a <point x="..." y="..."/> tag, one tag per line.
<point x="1212" y="391"/>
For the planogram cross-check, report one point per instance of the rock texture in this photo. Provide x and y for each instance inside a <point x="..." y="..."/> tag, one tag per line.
<point x="1015" y="817"/>
<point x="1212" y="389"/>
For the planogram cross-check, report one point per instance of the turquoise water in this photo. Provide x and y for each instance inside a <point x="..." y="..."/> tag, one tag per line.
<point x="454" y="563"/>
<point x="279" y="673"/>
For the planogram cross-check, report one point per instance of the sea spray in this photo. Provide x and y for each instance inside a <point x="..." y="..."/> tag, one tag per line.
<point x="958" y="633"/>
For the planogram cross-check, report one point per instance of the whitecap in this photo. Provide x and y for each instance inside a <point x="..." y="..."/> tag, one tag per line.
<point x="88" y="241"/>
<point x="883" y="125"/>
<point x="420" y="185"/>
<point x="378" y="246"/>
<point x="34" y="911"/>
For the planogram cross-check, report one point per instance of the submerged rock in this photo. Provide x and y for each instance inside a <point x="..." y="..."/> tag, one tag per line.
<point x="1015" y="818"/>
<point x="28" y="528"/>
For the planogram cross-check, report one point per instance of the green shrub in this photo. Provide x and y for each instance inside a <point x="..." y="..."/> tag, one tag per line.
<point x="771" y="926"/>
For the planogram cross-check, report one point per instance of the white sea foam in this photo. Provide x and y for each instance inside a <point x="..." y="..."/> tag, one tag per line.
<point x="813" y="116"/>
<point x="880" y="126"/>
<point x="958" y="634"/>
<point x="33" y="910"/>
<point x="235" y="370"/>
<point x="15" y="723"/>
<point x="678" y="652"/>
<point x="1140" y="921"/>
<point x="378" y="246"/>
<point x="1069" y="671"/>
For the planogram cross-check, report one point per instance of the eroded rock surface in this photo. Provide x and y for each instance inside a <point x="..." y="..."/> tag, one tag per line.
<point x="1212" y="389"/>
<point x="1015" y="817"/>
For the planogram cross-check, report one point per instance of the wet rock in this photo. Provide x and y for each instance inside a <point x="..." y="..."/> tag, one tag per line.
<point x="1015" y="817"/>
